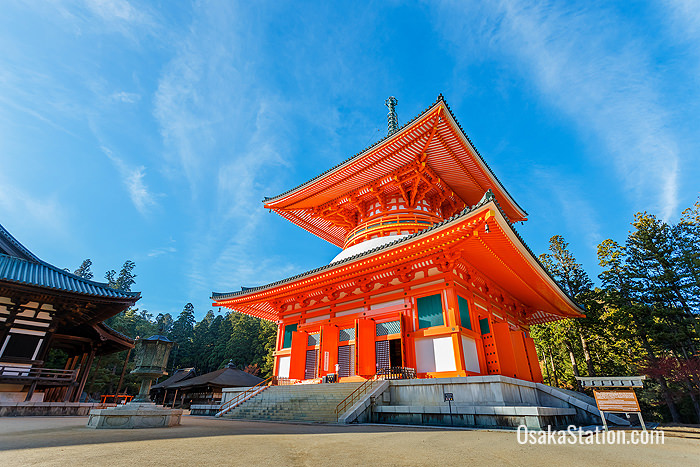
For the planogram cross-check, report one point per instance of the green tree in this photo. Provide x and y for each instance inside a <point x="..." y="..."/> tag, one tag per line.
<point x="124" y="280"/>
<point x="562" y="265"/>
<point x="182" y="332"/>
<point x="84" y="270"/>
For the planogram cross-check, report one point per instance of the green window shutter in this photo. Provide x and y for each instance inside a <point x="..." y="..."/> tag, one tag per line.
<point x="390" y="327"/>
<point x="288" y="330"/>
<point x="464" y="312"/>
<point x="346" y="335"/>
<point x="484" y="325"/>
<point x="430" y="311"/>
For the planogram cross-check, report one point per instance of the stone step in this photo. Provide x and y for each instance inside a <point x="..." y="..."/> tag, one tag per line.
<point x="297" y="402"/>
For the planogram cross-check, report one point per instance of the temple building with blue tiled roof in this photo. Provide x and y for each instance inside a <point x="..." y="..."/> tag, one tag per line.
<point x="43" y="307"/>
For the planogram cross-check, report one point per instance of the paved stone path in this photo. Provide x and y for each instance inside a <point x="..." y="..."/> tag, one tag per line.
<point x="65" y="441"/>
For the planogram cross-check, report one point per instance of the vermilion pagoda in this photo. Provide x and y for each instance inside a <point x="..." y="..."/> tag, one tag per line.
<point x="432" y="275"/>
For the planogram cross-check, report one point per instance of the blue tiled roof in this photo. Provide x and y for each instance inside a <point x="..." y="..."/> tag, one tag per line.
<point x="42" y="274"/>
<point x="21" y="266"/>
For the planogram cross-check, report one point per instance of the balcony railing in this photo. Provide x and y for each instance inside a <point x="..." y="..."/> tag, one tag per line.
<point x="410" y="221"/>
<point x="47" y="376"/>
<point x="397" y="372"/>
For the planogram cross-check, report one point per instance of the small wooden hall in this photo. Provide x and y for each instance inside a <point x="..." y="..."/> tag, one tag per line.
<point x="43" y="307"/>
<point x="432" y="279"/>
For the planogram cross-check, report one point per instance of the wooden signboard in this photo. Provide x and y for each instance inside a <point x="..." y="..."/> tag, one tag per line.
<point x="617" y="401"/>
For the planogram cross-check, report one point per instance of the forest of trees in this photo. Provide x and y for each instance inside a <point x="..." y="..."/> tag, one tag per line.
<point x="642" y="319"/>
<point x="207" y="345"/>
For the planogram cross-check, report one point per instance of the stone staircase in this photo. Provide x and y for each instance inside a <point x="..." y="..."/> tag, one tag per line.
<point x="298" y="402"/>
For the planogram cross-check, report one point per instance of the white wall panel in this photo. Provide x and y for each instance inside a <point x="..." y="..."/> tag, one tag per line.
<point x="283" y="367"/>
<point x="444" y="354"/>
<point x="471" y="357"/>
<point x="425" y="356"/>
<point x="435" y="354"/>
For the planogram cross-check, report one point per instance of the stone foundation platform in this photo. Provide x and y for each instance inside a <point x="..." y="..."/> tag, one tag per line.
<point x="134" y="415"/>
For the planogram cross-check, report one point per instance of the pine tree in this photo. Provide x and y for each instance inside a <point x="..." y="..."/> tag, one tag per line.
<point x="84" y="270"/>
<point x="124" y="280"/>
<point x="562" y="265"/>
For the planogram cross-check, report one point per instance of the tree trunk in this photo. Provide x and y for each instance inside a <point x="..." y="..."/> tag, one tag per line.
<point x="554" y="370"/>
<point x="662" y="382"/>
<point x="694" y="399"/>
<point x="546" y="369"/>
<point x="587" y="355"/>
<point x="574" y="365"/>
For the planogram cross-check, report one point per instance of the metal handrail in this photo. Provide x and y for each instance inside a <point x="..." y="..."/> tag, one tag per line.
<point x="353" y="397"/>
<point x="40" y="374"/>
<point x="243" y="396"/>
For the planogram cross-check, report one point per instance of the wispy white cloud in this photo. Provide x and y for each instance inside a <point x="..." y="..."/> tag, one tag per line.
<point x="593" y="69"/>
<point x="133" y="180"/>
<point x="126" y="97"/>
<point x="686" y="17"/>
<point x="130" y="19"/>
<point x="121" y="16"/>
<point x="116" y="10"/>
<point x="154" y="253"/>
<point x="20" y="205"/>
<point x="577" y="212"/>
<point x="223" y="131"/>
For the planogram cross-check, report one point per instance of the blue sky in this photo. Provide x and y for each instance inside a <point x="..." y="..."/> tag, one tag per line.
<point x="151" y="131"/>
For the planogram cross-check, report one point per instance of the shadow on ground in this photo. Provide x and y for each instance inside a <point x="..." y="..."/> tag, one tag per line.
<point x="40" y="432"/>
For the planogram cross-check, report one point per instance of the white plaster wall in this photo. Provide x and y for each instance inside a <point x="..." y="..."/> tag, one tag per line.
<point x="471" y="357"/>
<point x="444" y="354"/>
<point x="435" y="354"/>
<point x="425" y="357"/>
<point x="283" y="367"/>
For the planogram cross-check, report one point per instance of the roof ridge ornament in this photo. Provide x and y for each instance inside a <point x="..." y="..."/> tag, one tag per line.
<point x="488" y="196"/>
<point x="392" y="118"/>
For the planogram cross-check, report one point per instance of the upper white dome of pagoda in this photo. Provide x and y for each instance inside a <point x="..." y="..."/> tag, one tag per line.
<point x="365" y="246"/>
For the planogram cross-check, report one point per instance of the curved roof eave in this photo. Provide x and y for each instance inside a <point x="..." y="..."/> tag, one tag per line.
<point x="397" y="134"/>
<point x="485" y="200"/>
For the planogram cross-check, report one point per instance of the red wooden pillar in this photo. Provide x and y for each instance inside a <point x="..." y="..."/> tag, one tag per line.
<point x="533" y="360"/>
<point x="278" y="346"/>
<point x="504" y="349"/>
<point x="328" y="349"/>
<point x="297" y="361"/>
<point x="522" y="368"/>
<point x="365" y="335"/>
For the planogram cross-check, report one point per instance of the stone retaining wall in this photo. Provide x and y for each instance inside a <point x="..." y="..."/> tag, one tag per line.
<point x="43" y="409"/>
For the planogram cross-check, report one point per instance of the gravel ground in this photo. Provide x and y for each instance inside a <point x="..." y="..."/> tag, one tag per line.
<point x="198" y="441"/>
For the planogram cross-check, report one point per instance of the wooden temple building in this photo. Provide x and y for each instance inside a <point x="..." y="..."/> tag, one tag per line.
<point x="184" y="388"/>
<point x="43" y="307"/>
<point x="432" y="279"/>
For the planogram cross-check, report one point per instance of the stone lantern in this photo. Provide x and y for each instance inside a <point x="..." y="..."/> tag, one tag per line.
<point x="151" y="357"/>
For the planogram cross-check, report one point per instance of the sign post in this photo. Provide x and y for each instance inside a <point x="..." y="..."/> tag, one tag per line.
<point x="615" y="400"/>
<point x="449" y="397"/>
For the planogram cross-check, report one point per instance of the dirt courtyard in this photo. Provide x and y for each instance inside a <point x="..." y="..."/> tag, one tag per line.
<point x="206" y="441"/>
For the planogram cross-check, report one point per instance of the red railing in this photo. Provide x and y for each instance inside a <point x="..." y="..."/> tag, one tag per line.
<point x="115" y="398"/>
<point x="411" y="221"/>
<point x="244" y="396"/>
